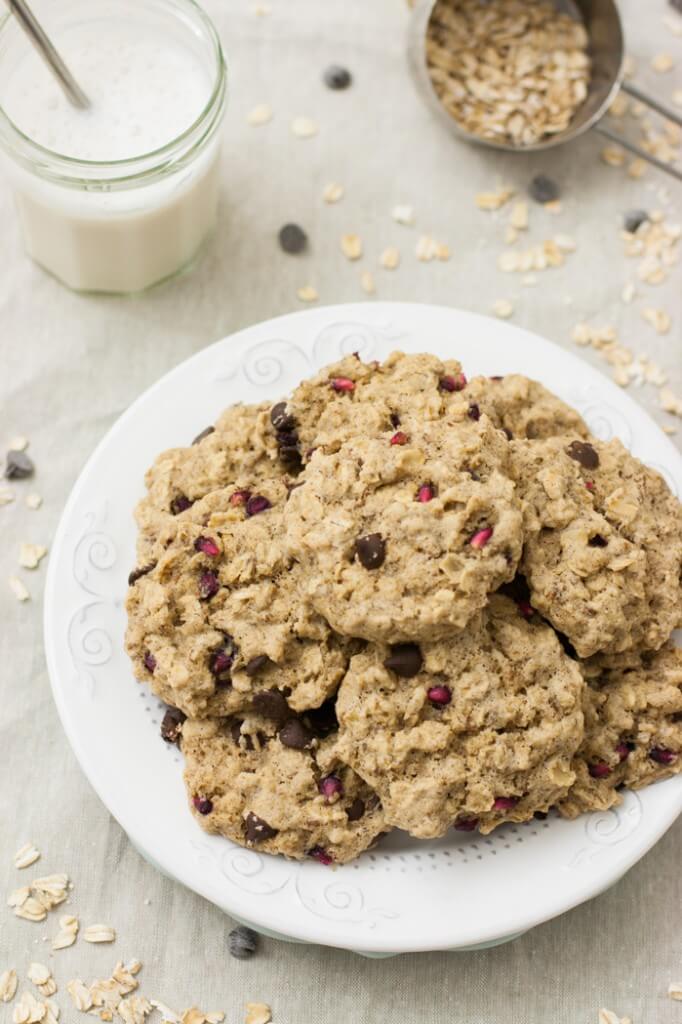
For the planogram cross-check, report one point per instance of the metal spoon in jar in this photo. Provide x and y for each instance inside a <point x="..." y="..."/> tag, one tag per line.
<point x="47" y="51"/>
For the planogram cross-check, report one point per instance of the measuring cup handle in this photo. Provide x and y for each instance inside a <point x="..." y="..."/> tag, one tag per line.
<point x="632" y="148"/>
<point x="649" y="101"/>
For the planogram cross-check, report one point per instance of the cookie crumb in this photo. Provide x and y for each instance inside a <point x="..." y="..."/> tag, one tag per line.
<point x="33" y="501"/>
<point x="26" y="855"/>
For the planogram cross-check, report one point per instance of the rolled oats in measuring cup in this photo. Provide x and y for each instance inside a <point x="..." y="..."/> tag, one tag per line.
<point x="119" y="196"/>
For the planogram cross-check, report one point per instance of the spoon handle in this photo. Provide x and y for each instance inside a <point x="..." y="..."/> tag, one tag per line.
<point x="44" y="46"/>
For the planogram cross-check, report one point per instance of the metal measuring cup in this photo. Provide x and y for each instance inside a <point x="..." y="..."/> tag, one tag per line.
<point x="606" y="49"/>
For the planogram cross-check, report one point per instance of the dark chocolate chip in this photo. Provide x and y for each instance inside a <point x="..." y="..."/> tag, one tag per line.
<point x="371" y="550"/>
<point x="597" y="541"/>
<point x="253" y="667"/>
<point x="257" y="830"/>
<point x="356" y="810"/>
<point x="138" y="573"/>
<point x="171" y="726"/>
<point x="395" y="419"/>
<point x="204" y="433"/>
<point x="474" y="412"/>
<point x="292" y="239"/>
<point x="336" y="77"/>
<point x="272" y="704"/>
<point x="280" y="418"/>
<point x="240" y="738"/>
<point x="583" y="453"/>
<point x="296" y="735"/>
<point x="242" y="942"/>
<point x="540" y="815"/>
<point x="19" y="466"/>
<point x="203" y="804"/>
<point x="543" y="190"/>
<point x="507" y="433"/>
<point x="633" y="219"/>
<point x="405" y="660"/>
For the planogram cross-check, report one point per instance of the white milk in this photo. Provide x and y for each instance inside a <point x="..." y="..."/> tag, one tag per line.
<point x="147" y="88"/>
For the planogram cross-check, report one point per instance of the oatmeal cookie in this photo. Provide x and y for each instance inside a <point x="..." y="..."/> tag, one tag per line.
<point x="404" y="539"/>
<point x="471" y="731"/>
<point x="523" y="408"/>
<point x="278" y="788"/>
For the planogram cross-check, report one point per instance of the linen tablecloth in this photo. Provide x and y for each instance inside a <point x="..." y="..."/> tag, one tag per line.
<point x="70" y="364"/>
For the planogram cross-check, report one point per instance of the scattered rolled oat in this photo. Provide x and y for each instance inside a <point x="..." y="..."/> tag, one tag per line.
<point x="390" y="258"/>
<point x="18" y="588"/>
<point x="503" y="309"/>
<point x="429" y="248"/>
<point x="669" y="402"/>
<point x="8" y="985"/>
<point x="494" y="200"/>
<point x="662" y="62"/>
<point x="332" y="192"/>
<point x="19" y="444"/>
<point x="675" y="990"/>
<point x="307" y="294"/>
<point x="367" y="282"/>
<point x="303" y="127"/>
<point x="33" y="501"/>
<point x="619" y="106"/>
<point x="26" y="855"/>
<point x="628" y="293"/>
<point x="565" y="242"/>
<point x="351" y="246"/>
<point x="134" y="1009"/>
<point x="538" y="257"/>
<point x="99" y="933"/>
<point x="258" y="1013"/>
<point x="512" y="71"/>
<point x="68" y="930"/>
<point x="658" y="318"/>
<point x="28" y="1010"/>
<point x="41" y="977"/>
<point x="677" y="97"/>
<point x="403" y="215"/>
<point x="518" y="218"/>
<point x="259" y="115"/>
<point x="510" y="235"/>
<point x="262" y="10"/>
<point x="6" y="497"/>
<point x="30" y="555"/>
<point x="614" y="156"/>
<point x="637" y="168"/>
<point x="80" y="995"/>
<point x="669" y="428"/>
<point x="609" y="1017"/>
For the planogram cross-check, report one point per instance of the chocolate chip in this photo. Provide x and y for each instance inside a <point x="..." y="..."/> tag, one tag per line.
<point x="540" y="815"/>
<point x="253" y="667"/>
<point x="272" y="704"/>
<point x="149" y="662"/>
<point x="543" y="190"/>
<point x="336" y="77"/>
<point x="242" y="942"/>
<point x="287" y="439"/>
<point x="507" y="433"/>
<point x="19" y="466"/>
<point x="405" y="660"/>
<point x="257" y="830"/>
<point x="280" y="418"/>
<point x="395" y="419"/>
<point x="633" y="219"/>
<point x="296" y="735"/>
<point x="204" y="433"/>
<point x="356" y="810"/>
<point x="292" y="239"/>
<point x="474" y="412"/>
<point x="203" y="804"/>
<point x="171" y="726"/>
<point x="240" y="738"/>
<point x="583" y="453"/>
<point x="597" y="541"/>
<point x="371" y="550"/>
<point x="138" y="573"/>
<point x="180" y="504"/>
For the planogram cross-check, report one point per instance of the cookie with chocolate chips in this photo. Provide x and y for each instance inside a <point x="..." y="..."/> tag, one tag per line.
<point x="471" y="731"/>
<point x="252" y="780"/>
<point x="603" y="544"/>
<point x="221" y="616"/>
<point x="523" y="408"/>
<point x="633" y="728"/>
<point x="404" y="542"/>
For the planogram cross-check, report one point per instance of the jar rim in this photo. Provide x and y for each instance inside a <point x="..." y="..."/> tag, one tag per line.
<point x="128" y="171"/>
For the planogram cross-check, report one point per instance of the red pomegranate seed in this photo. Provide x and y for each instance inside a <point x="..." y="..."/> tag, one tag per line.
<point x="481" y="537"/>
<point x="149" y="662"/>
<point x="599" y="770"/>
<point x="203" y="804"/>
<point x="321" y="855"/>
<point x="440" y="696"/>
<point x="624" y="750"/>
<point x="525" y="609"/>
<point x="240" y="497"/>
<point x="425" y="493"/>
<point x="466" y="824"/>
<point x="330" y="786"/>
<point x="207" y="546"/>
<point x="257" y="503"/>
<point x="505" y="803"/>
<point x="453" y="383"/>
<point x="209" y="586"/>
<point x="343" y="384"/>
<point x="399" y="438"/>
<point x="589" y="484"/>
<point x="662" y="755"/>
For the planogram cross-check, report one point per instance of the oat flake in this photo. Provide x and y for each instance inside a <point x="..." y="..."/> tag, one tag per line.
<point x="367" y="282"/>
<point x="332" y="192"/>
<point x="403" y="215"/>
<point x="307" y="294"/>
<point x="303" y="127"/>
<point x="8" y="985"/>
<point x="258" y="1013"/>
<point x="351" y="246"/>
<point x="503" y="309"/>
<point x="18" y="588"/>
<point x="390" y="258"/>
<point x="26" y="855"/>
<point x="99" y="933"/>
<point x="260" y="115"/>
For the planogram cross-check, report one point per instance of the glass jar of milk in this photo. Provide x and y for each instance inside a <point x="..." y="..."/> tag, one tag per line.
<point x="120" y="196"/>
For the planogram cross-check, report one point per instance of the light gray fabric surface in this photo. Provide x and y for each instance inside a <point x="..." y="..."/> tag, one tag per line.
<point x="71" y="364"/>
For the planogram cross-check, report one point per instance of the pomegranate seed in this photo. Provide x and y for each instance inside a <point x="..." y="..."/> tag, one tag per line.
<point x="343" y="384"/>
<point x="481" y="537"/>
<point x="208" y="585"/>
<point x="240" y="497"/>
<point x="466" y="824"/>
<point x="425" y="493"/>
<point x="399" y="438"/>
<point x="180" y="504"/>
<point x="525" y="609"/>
<point x="207" y="546"/>
<point x="221" y="661"/>
<point x="624" y="750"/>
<point x="662" y="755"/>
<point x="453" y="383"/>
<point x="321" y="855"/>
<point x="330" y="787"/>
<point x="203" y="804"/>
<point x="257" y="503"/>
<point x="440" y="696"/>
<point x="149" y="661"/>
<point x="599" y="770"/>
<point x="589" y="484"/>
<point x="505" y="803"/>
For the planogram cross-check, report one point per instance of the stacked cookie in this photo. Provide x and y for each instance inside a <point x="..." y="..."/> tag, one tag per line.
<point x="402" y="599"/>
